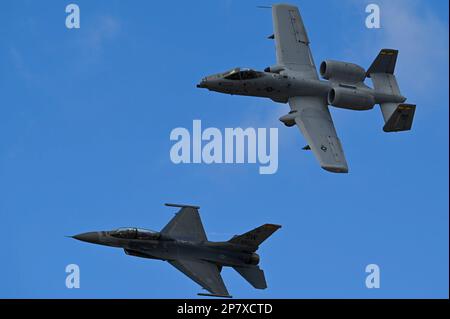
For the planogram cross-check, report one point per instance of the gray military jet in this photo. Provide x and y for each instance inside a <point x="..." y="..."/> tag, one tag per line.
<point x="183" y="243"/>
<point x="294" y="80"/>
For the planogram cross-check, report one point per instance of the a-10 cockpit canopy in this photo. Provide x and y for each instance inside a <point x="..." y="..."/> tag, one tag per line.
<point x="135" y="233"/>
<point x="242" y="74"/>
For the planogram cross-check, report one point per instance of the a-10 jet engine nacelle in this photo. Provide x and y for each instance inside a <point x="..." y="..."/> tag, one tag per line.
<point x="348" y="97"/>
<point x="342" y="72"/>
<point x="348" y="89"/>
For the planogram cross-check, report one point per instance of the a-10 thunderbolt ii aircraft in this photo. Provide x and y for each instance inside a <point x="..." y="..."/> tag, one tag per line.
<point x="294" y="80"/>
<point x="184" y="245"/>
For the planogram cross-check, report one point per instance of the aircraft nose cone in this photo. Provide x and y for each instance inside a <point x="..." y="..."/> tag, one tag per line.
<point x="202" y="84"/>
<point x="91" y="237"/>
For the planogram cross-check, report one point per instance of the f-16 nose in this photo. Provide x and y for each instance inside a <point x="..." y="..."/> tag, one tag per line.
<point x="202" y="84"/>
<point x="91" y="237"/>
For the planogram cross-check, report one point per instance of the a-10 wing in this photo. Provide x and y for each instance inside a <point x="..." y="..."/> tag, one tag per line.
<point x="311" y="113"/>
<point x="291" y="41"/>
<point x="314" y="120"/>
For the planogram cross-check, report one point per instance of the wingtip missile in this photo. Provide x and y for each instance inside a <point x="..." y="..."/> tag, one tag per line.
<point x="215" y="295"/>
<point x="181" y="205"/>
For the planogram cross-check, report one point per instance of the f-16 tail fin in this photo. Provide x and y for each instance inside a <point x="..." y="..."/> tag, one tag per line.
<point x="254" y="275"/>
<point x="252" y="239"/>
<point x="397" y="116"/>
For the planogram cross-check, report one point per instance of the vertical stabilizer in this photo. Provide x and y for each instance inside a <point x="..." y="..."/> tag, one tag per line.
<point x="397" y="116"/>
<point x="252" y="239"/>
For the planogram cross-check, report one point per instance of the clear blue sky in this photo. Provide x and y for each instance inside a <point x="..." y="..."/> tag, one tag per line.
<point x="85" y="118"/>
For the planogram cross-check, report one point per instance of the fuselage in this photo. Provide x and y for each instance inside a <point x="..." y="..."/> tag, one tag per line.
<point x="281" y="86"/>
<point x="164" y="248"/>
<point x="264" y="84"/>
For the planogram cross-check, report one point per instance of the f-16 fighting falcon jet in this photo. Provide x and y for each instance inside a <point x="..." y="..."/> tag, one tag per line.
<point x="183" y="243"/>
<point x="294" y="80"/>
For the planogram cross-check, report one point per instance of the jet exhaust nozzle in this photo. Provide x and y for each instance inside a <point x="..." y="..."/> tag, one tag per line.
<point x="254" y="259"/>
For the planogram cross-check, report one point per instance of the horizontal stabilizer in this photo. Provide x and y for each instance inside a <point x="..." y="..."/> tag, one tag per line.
<point x="386" y="83"/>
<point x="254" y="275"/>
<point x="384" y="62"/>
<point x="255" y="237"/>
<point x="401" y="119"/>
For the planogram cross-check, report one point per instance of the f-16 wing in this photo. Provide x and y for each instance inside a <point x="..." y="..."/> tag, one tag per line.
<point x="205" y="274"/>
<point x="186" y="225"/>
<point x="291" y="40"/>
<point x="312" y="116"/>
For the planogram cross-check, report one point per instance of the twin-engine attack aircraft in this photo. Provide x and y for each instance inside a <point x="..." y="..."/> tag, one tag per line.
<point x="294" y="80"/>
<point x="183" y="244"/>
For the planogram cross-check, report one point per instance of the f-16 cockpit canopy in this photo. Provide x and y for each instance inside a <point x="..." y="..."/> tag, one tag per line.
<point x="242" y="74"/>
<point x="135" y="233"/>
